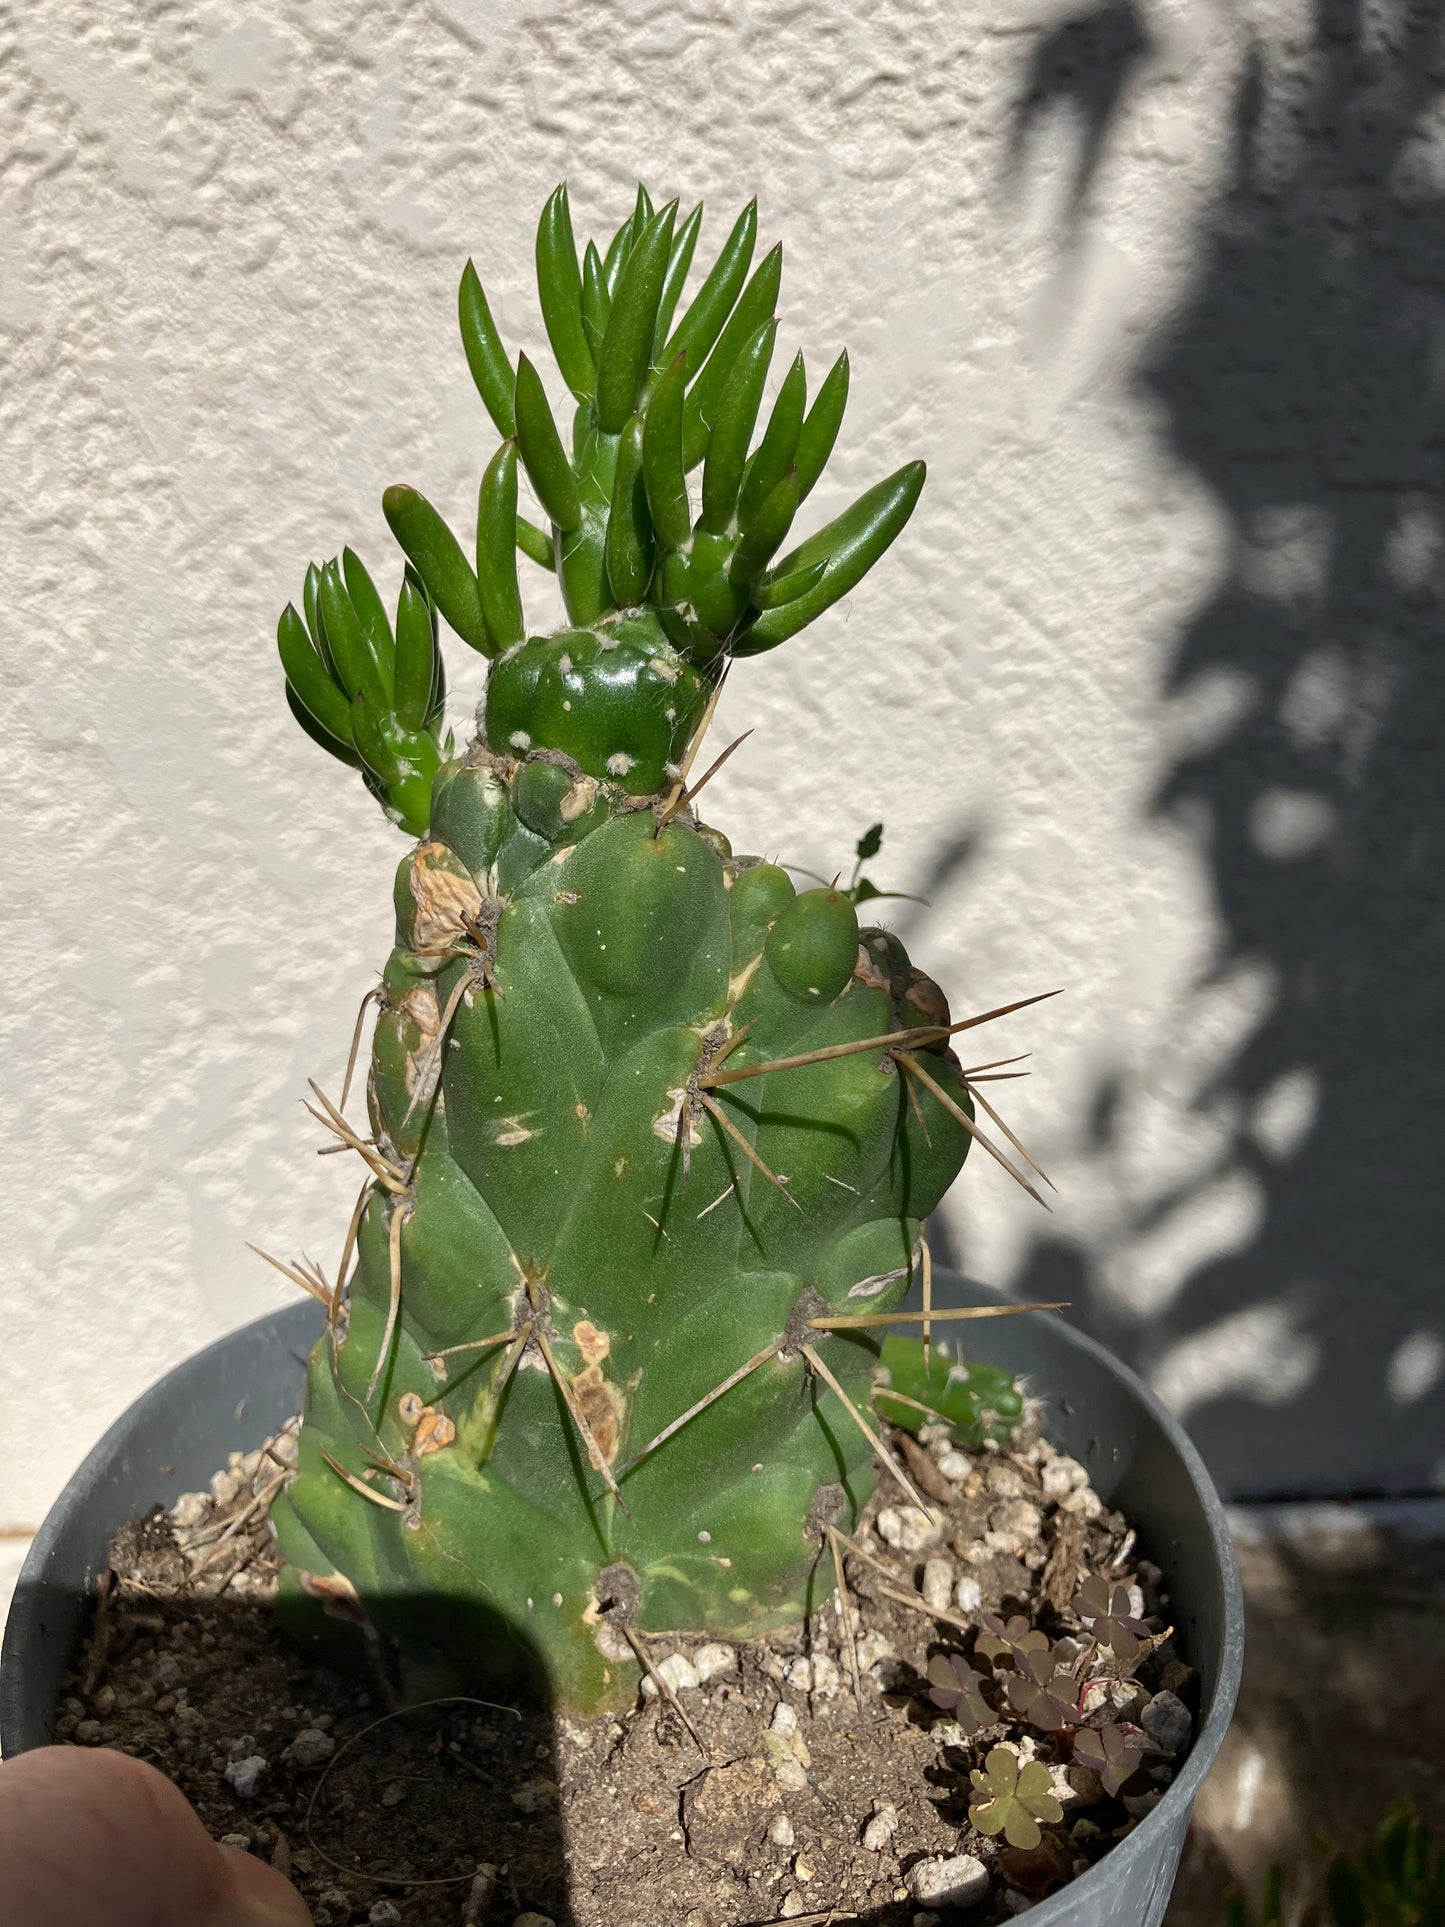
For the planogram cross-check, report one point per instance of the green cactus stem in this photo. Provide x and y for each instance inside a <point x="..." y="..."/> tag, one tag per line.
<point x="648" y="1125"/>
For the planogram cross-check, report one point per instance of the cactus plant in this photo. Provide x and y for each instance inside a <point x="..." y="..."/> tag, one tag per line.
<point x="653" y="1134"/>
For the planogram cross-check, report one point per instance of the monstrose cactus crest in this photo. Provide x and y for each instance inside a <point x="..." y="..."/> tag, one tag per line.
<point x="645" y="1122"/>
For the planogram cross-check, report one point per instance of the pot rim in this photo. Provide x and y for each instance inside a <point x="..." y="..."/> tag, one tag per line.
<point x="1136" y="1844"/>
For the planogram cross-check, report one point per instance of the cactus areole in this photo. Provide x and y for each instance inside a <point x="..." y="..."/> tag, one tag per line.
<point x="581" y="1386"/>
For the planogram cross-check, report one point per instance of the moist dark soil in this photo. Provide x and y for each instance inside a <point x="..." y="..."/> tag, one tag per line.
<point x="758" y="1786"/>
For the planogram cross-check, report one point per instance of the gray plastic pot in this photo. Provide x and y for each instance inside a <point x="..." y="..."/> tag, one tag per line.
<point x="235" y="1393"/>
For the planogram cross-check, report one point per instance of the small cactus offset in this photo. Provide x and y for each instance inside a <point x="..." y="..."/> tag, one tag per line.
<point x="653" y="1134"/>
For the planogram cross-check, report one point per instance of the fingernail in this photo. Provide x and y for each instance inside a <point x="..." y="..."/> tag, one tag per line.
<point x="261" y="1897"/>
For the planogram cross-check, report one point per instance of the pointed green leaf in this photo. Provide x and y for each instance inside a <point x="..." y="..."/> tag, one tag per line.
<point x="662" y="468"/>
<point x="376" y="752"/>
<point x="683" y="244"/>
<point x="350" y="645"/>
<point x="737" y="415"/>
<point x="497" y="548"/>
<point x="307" y="678"/>
<point x="629" y="527"/>
<point x="618" y="249"/>
<point x="755" y="306"/>
<point x="773" y="456"/>
<point x="369" y="606"/>
<point x="486" y="357"/>
<point x="333" y="745"/>
<point x="625" y="240"/>
<point x="761" y="542"/>
<point x="545" y="458"/>
<point x="596" y="301"/>
<point x="713" y="303"/>
<point x="535" y="543"/>
<point x="820" y="429"/>
<point x="779" y="589"/>
<point x="310" y="595"/>
<point x="560" y="286"/>
<point x="438" y="701"/>
<point x="626" y="351"/>
<point x="440" y="563"/>
<point x="416" y="659"/>
<point x="850" y="545"/>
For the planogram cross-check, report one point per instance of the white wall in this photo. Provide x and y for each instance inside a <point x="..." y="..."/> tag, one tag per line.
<point x="1140" y="695"/>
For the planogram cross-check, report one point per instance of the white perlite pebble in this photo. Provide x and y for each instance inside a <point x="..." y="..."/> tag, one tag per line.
<point x="385" y="1913"/>
<point x="793" y="1905"/>
<point x="1061" y="1476"/>
<point x="955" y="1466"/>
<point x="959" y="1882"/>
<point x="679" y="1672"/>
<point x="1085" y="1503"/>
<point x="881" y="1827"/>
<point x="241" y="1840"/>
<point x="1166" y="1720"/>
<point x="534" y="1920"/>
<point x="785" y="1720"/>
<point x="1018" y="1518"/>
<point x="907" y="1528"/>
<point x="243" y="1777"/>
<point x="311" y="1747"/>
<point x="969" y="1594"/>
<point x="711" y="1662"/>
<point x="1005" y="1481"/>
<point x="937" y="1587"/>
<point x="781" y="1831"/>
<point x="818" y="1676"/>
<point x="872" y="1648"/>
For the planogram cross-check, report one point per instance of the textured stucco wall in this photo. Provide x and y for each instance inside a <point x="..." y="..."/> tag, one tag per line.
<point x="1145" y="696"/>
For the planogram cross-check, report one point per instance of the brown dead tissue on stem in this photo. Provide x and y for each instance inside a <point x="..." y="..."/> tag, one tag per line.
<point x="600" y="1401"/>
<point x="446" y="899"/>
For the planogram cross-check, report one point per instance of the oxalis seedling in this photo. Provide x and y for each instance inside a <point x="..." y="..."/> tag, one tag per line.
<point x="652" y="1135"/>
<point x="1012" y="1799"/>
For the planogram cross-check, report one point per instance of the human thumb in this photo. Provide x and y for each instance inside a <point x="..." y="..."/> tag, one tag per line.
<point x="96" y="1835"/>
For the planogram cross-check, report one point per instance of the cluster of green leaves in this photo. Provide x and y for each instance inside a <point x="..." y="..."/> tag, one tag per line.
<point x="1041" y="1682"/>
<point x="654" y="401"/>
<point x="370" y="695"/>
<point x="1396" y="1880"/>
<point x="1012" y="1799"/>
<point x="977" y="1402"/>
<point x="1104" y="1609"/>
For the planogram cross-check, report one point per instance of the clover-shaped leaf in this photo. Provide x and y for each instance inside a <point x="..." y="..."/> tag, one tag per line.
<point x="1008" y="1639"/>
<point x="1114" y="1752"/>
<point x="1045" y="1691"/>
<point x="958" y="1689"/>
<point x="1104" y="1609"/>
<point x="1012" y="1800"/>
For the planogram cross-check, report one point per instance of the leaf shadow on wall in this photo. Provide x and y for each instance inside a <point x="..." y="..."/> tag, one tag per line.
<point x="1299" y="381"/>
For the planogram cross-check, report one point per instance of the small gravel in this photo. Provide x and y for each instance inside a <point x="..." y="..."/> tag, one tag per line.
<point x="311" y="1747"/>
<point x="937" y="1587"/>
<point x="881" y="1827"/>
<point x="1167" y="1722"/>
<point x="958" y="1882"/>
<point x="243" y="1777"/>
<point x="907" y="1528"/>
